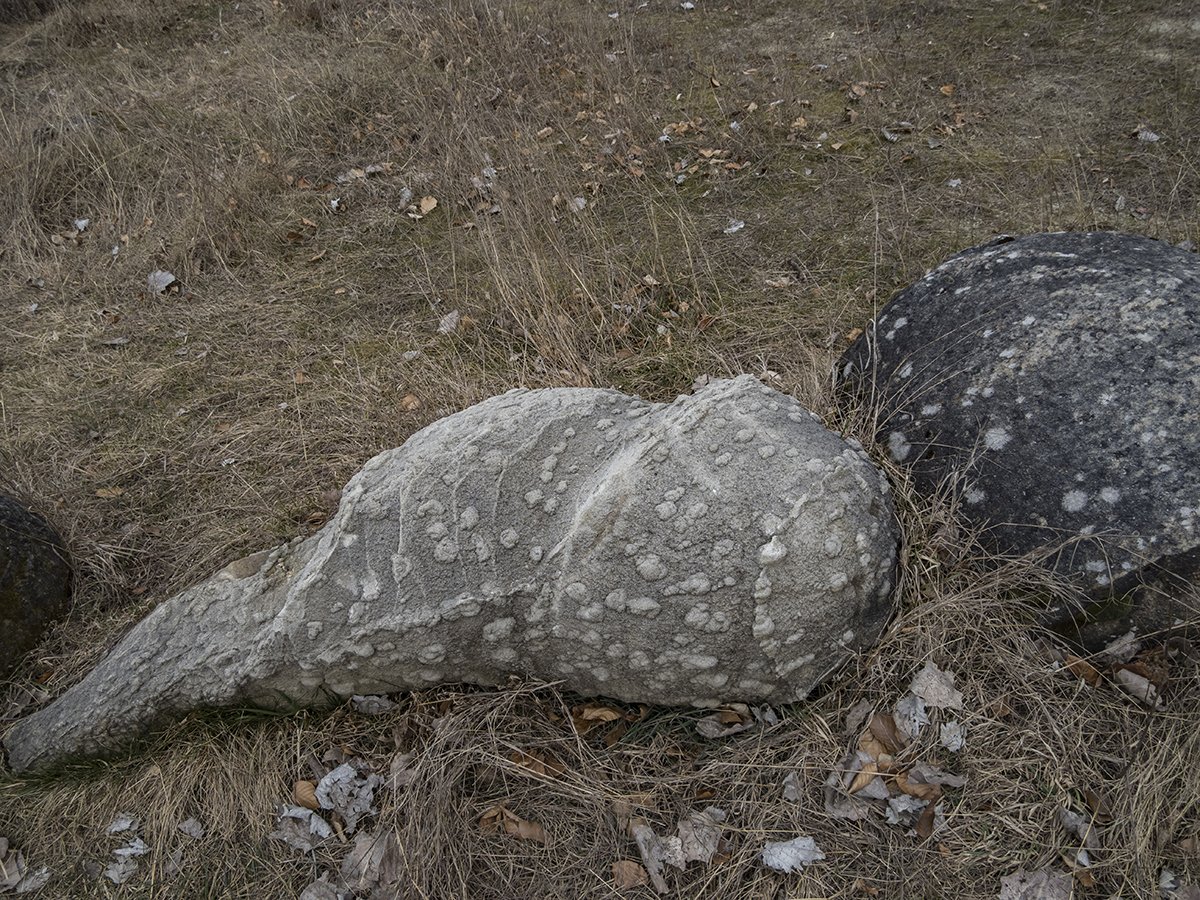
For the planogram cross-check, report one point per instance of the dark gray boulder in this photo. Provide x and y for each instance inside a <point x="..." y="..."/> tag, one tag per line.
<point x="1056" y="378"/>
<point x="35" y="581"/>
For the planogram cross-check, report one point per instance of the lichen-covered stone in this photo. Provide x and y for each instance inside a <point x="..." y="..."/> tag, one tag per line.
<point x="725" y="546"/>
<point x="35" y="581"/>
<point x="1056" y="378"/>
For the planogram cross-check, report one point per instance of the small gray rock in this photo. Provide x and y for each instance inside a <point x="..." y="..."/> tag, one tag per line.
<point x="35" y="581"/>
<point x="725" y="546"/>
<point x="1055" y="377"/>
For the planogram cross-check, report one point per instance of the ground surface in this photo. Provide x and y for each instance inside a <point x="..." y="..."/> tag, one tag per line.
<point x="312" y="323"/>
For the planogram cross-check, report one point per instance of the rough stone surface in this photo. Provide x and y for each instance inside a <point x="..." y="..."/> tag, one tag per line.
<point x="35" y="581"/>
<point x="1056" y="376"/>
<point x="724" y="546"/>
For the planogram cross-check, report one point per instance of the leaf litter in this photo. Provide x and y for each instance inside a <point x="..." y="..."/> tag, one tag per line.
<point x="15" y="873"/>
<point x="1143" y="672"/>
<point x="697" y="838"/>
<point x="348" y="793"/>
<point x="735" y="718"/>
<point x="301" y="828"/>
<point x="374" y="862"/>
<point x="880" y="776"/>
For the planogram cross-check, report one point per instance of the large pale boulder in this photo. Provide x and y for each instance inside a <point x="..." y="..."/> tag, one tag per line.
<point x="35" y="581"/>
<point x="725" y="546"/>
<point x="1055" y="377"/>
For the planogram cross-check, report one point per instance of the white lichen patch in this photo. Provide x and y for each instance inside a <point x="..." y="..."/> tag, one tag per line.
<point x="432" y="653"/>
<point x="446" y="550"/>
<point x="651" y="568"/>
<point x="1074" y="501"/>
<point x="996" y="438"/>
<point x="772" y="552"/>
<point x="643" y="606"/>
<point x="898" y="446"/>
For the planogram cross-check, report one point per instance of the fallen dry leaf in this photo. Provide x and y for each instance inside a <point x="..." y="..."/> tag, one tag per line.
<point x="700" y="835"/>
<point x="1078" y="826"/>
<point x="192" y="828"/>
<point x="615" y="734"/>
<point x="883" y="727"/>
<point x="1121" y="649"/>
<point x="349" y="792"/>
<point x="1170" y="887"/>
<point x="502" y="820"/>
<point x="925" y="824"/>
<point x="863" y="777"/>
<point x="1080" y="864"/>
<point x="936" y="688"/>
<point x="916" y="788"/>
<point x="791" y="787"/>
<point x="656" y="852"/>
<point x="1139" y="687"/>
<point x="623" y="807"/>
<point x="426" y="205"/>
<point x="791" y="856"/>
<point x="1082" y="669"/>
<point x="627" y="875"/>
<point x="838" y="803"/>
<point x="910" y="715"/>
<point x="304" y="793"/>
<point x="374" y="864"/>
<point x="538" y="762"/>
<point x="301" y="828"/>
<point x="952" y="736"/>
<point x="1040" y="885"/>
<point x="160" y="281"/>
<point x="1100" y="807"/>
<point x="725" y="722"/>
<point x="588" y="716"/>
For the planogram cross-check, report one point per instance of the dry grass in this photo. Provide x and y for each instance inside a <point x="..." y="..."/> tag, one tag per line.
<point x="190" y="133"/>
